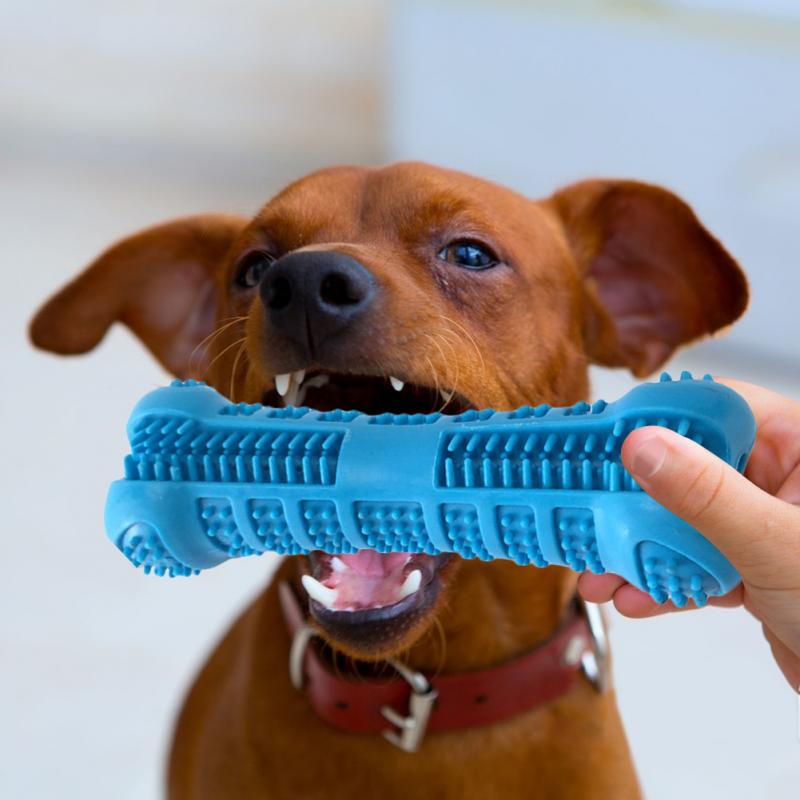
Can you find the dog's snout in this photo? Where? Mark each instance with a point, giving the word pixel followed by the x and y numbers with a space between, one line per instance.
pixel 309 296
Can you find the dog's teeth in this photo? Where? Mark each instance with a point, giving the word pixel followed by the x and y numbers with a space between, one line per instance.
pixel 446 396
pixel 322 594
pixel 410 584
pixel 282 383
pixel 337 565
pixel 318 380
pixel 397 384
pixel 295 389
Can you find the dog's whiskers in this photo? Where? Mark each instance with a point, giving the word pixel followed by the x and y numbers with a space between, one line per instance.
pixel 468 335
pixel 454 384
pixel 435 374
pixel 242 349
pixel 206 343
pixel 222 353
pixel 445 361
pixel 437 623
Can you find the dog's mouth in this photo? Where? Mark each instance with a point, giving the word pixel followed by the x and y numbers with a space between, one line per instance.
pixel 325 390
pixel 367 600
pixel 367 586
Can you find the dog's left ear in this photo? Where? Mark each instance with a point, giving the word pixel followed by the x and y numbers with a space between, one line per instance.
pixel 160 282
pixel 655 278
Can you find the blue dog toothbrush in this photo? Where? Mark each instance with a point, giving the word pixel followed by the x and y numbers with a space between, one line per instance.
pixel 207 480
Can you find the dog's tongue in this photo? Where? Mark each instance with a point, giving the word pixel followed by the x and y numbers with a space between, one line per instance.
pixel 371 564
pixel 366 579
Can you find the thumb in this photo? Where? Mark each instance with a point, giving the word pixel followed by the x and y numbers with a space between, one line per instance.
pixel 759 534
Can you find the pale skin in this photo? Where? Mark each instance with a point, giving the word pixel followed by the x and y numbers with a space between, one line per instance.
pixel 754 519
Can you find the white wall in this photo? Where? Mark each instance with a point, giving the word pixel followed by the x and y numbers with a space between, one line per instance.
pixel 705 104
pixel 224 90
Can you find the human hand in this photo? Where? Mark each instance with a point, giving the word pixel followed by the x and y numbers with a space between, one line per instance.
pixel 753 519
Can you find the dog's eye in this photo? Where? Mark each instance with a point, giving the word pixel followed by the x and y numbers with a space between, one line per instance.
pixel 252 268
pixel 469 255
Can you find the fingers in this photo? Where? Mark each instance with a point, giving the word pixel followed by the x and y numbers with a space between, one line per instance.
pixel 759 534
pixel 598 588
pixel 774 464
pixel 631 602
pixel 764 403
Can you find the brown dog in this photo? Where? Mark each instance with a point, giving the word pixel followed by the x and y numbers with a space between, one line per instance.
pixel 471 296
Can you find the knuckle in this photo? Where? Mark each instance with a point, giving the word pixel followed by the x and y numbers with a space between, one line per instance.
pixel 771 527
pixel 780 526
pixel 702 492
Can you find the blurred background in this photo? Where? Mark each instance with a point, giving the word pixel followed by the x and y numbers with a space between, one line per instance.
pixel 116 116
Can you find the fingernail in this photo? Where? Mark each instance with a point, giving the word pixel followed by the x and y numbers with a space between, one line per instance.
pixel 648 458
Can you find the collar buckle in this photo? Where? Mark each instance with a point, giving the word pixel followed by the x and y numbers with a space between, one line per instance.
pixel 297 654
pixel 411 728
pixel 595 661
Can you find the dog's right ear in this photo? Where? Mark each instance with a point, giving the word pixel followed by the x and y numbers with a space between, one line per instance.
pixel 161 283
pixel 654 277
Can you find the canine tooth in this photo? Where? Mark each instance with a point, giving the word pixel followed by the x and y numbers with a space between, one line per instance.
pixel 299 376
pixel 410 584
pixel 337 565
pixel 314 382
pixel 397 384
pixel 446 396
pixel 322 594
pixel 295 390
pixel 282 383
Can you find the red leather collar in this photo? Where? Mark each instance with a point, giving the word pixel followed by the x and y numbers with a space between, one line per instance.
pixel 462 700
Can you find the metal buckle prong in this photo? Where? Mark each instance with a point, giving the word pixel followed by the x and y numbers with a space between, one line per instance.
pixel 297 654
pixel 420 703
pixel 412 727
pixel 595 662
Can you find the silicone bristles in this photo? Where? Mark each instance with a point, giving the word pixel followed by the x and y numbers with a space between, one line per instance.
pixel 207 480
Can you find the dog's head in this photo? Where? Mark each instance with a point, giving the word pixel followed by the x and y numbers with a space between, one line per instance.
pixel 407 288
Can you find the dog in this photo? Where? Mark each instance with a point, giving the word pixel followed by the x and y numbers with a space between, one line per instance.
pixel 407 288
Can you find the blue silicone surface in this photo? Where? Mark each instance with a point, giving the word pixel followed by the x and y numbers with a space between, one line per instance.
pixel 207 480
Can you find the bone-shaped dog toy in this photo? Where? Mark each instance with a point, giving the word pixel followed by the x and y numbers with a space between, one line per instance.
pixel 207 480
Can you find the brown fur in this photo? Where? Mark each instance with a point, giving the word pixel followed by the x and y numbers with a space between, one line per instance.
pixel 615 272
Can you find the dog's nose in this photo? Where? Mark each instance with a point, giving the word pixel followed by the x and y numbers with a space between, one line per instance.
pixel 309 296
